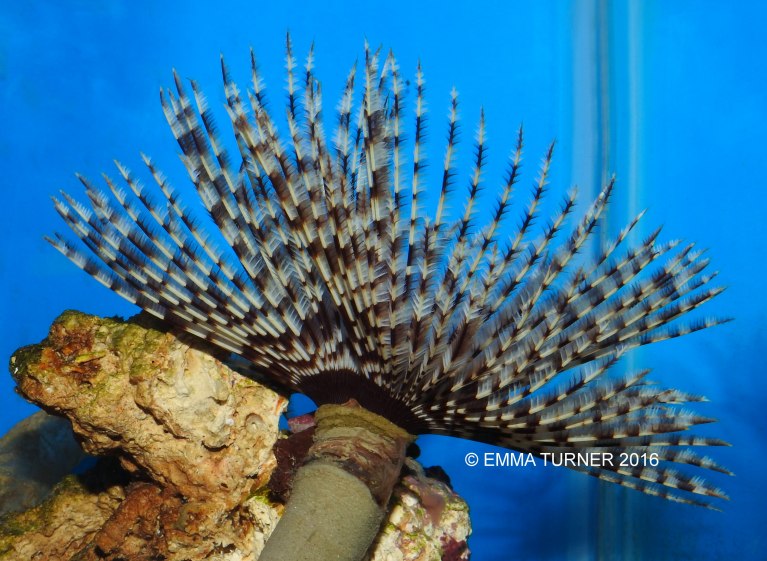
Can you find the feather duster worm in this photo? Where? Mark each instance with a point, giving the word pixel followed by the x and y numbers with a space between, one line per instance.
pixel 332 282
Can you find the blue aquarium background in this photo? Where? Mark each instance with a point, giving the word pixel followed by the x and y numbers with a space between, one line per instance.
pixel 670 96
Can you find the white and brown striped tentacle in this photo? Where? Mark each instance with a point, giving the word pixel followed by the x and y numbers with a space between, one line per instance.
pixel 398 298
pixel 136 279
pixel 376 153
pixel 440 303
pixel 492 323
pixel 564 308
pixel 273 241
pixel 443 300
pixel 468 325
pixel 421 243
pixel 216 187
pixel 572 342
pixel 654 424
pixel 419 162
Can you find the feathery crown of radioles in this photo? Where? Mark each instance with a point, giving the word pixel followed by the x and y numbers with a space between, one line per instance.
pixel 335 285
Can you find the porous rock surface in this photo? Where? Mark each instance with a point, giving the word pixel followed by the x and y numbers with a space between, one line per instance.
pixel 187 455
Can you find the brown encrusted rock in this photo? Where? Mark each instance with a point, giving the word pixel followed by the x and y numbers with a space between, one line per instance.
pixel 192 442
pixel 196 433
pixel 65 524
pixel 170 411
pixel 427 521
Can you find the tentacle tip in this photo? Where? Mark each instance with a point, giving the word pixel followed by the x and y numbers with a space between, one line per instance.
pixel 719 494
